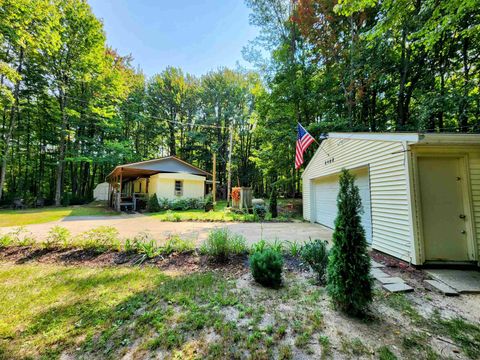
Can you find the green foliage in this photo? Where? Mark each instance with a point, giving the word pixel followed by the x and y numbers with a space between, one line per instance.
pixel 260 211
pixel 153 205
pixel 294 248
pixel 266 267
pixel 100 239
pixel 221 243
pixel 349 280
pixel 315 254
pixel 58 236
pixel 384 353
pixel 272 205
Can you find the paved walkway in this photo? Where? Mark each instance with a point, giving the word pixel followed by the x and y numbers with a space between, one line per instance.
pixel 130 225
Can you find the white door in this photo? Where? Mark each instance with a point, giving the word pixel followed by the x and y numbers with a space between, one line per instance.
pixel 325 192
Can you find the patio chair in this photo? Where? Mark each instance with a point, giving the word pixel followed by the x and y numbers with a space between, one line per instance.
pixel 18 204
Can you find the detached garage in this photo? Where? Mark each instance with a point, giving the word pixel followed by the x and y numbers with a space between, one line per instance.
pixel 420 192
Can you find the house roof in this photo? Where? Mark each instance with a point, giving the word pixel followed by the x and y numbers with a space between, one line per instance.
pixel 411 137
pixel 169 164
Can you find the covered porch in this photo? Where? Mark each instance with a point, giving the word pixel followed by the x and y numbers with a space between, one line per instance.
pixel 122 192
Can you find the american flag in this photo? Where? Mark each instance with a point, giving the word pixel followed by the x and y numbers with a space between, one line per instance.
pixel 304 139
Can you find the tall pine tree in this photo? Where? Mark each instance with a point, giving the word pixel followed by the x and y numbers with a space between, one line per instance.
pixel 349 280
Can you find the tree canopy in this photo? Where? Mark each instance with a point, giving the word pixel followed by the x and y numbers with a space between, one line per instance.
pixel 72 107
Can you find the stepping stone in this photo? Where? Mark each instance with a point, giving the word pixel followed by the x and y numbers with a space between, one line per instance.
pixel 398 288
pixel 462 281
pixel 390 280
pixel 376 265
pixel 438 286
pixel 376 273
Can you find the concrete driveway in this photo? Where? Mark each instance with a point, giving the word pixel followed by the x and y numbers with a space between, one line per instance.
pixel 130 225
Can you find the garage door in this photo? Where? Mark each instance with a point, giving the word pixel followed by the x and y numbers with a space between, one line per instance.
pixel 325 192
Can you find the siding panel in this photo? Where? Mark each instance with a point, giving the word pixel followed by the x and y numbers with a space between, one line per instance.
pixel 391 228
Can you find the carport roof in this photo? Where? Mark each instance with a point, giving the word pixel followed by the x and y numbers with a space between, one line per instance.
pixel 169 164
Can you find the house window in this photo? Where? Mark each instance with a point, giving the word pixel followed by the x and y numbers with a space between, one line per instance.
pixel 178 188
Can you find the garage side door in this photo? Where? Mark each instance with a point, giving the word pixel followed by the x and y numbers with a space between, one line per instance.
pixel 325 193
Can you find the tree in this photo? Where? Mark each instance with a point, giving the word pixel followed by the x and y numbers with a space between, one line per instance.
pixel 349 280
pixel 273 202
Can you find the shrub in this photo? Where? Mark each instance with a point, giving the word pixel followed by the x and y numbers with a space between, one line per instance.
pixel 349 280
pixel 6 240
pixel 176 244
pixel 260 211
pixel 208 202
pixel 153 205
pixel 171 216
pixel 19 237
pixel 220 244
pixel 99 239
pixel 294 248
pixel 57 236
pixel 315 254
pixel 273 203
pixel 266 267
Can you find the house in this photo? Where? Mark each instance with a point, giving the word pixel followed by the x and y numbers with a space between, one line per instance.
pixel 420 192
pixel 168 177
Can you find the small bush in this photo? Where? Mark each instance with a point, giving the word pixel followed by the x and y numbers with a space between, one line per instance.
pixel 260 211
pixel 294 248
pixel 58 236
pixel 20 237
pixel 100 239
pixel 176 244
pixel 221 243
pixel 315 254
pixel 266 267
pixel 6 240
pixel 153 205
pixel 172 216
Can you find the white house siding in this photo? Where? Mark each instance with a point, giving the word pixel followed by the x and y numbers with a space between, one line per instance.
pixel 391 227
pixel 164 185
pixel 475 183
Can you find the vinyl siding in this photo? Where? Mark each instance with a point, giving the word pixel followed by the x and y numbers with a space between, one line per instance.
pixel 164 185
pixel 475 183
pixel 391 225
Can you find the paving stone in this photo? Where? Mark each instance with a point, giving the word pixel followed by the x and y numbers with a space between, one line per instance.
pixel 398 288
pixel 390 280
pixel 376 265
pixel 376 273
pixel 438 286
pixel 463 281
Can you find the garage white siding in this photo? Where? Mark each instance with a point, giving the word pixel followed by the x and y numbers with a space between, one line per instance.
pixel 325 195
pixel 390 214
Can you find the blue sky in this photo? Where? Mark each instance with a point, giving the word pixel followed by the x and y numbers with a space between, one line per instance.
pixel 196 35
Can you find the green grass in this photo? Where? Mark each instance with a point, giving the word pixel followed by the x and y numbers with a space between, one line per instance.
pixel 48 214
pixel 220 213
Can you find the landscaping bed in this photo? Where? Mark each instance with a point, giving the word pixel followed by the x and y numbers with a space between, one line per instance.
pixel 79 303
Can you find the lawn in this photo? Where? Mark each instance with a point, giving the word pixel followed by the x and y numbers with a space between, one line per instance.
pixel 49 310
pixel 220 213
pixel 47 214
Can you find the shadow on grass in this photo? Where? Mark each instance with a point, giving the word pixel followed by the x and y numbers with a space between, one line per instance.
pixel 96 313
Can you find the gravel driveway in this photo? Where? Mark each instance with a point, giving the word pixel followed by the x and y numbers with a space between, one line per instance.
pixel 130 225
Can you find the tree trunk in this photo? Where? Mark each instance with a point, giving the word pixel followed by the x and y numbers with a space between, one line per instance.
pixel 61 155
pixel 8 137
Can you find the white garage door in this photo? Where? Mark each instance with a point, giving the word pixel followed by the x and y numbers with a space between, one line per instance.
pixel 325 192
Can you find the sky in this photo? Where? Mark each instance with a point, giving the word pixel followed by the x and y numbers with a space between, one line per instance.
pixel 195 35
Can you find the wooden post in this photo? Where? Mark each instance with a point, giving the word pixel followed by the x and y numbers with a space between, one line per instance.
pixel 229 182
pixel 214 181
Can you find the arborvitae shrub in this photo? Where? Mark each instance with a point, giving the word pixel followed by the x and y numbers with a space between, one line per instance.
pixel 266 267
pixel 348 273
pixel 273 203
pixel 315 254
pixel 153 205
